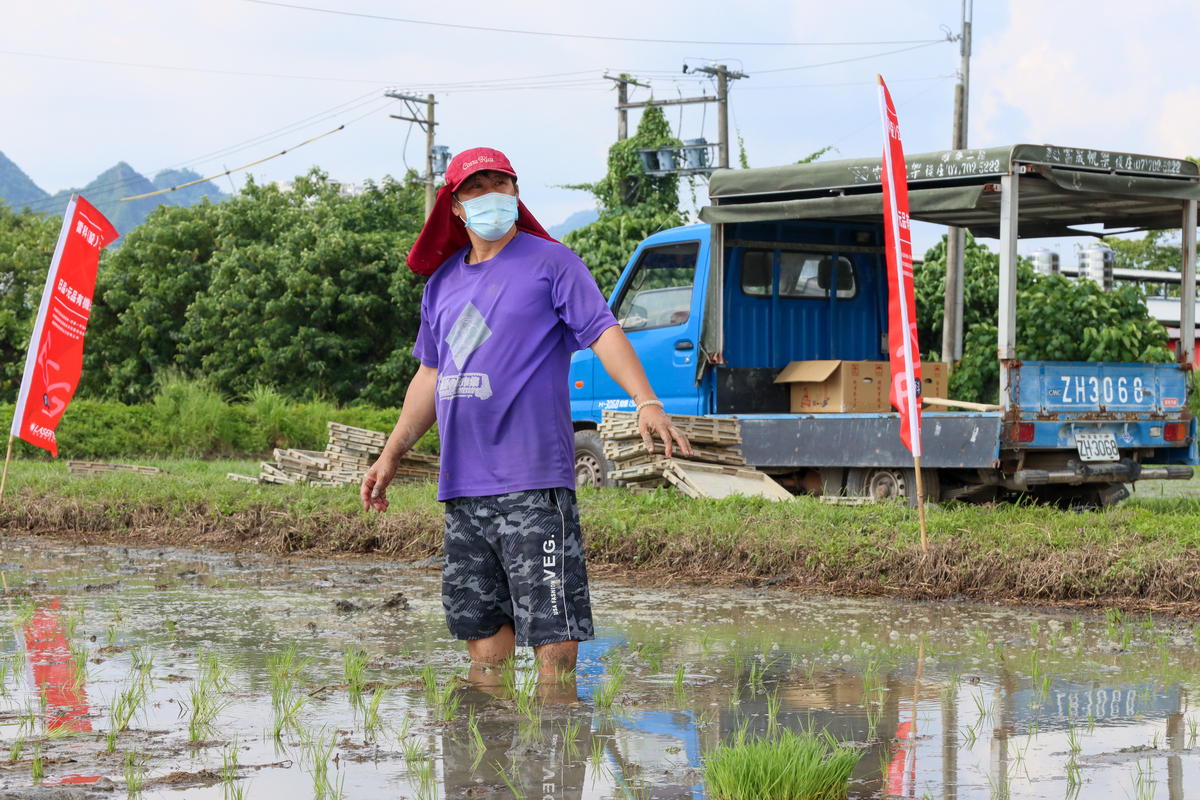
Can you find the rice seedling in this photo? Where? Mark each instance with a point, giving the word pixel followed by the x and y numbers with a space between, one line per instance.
pixel 1073 738
pixel 14 750
pixel 23 614
pixel 1033 632
pixel 319 752
pixel 597 759
pixel 473 730
pixel 372 718
pixel 4 677
pixel 448 699
pixel 354 668
pixel 429 679
pixel 110 740
pixel 514 783
pixel 405 725
pixel 1148 622
pixel 1156 739
pixel 706 645
pixel 413 750
pixel 39 766
pixel 79 664
pixel 1192 724
pixel 570 738
pixel 208 696
pixel 969 736
pixel 1001 788
pixel 135 772
pixel 1091 722
pixel 1126 638
pixel 288 715
pixel 608 689
pixel 1144 783
pixel 678 686
pixel 525 694
pixel 229 762
pixel 773 704
pixel 129 702
pixel 112 631
pixel 792 765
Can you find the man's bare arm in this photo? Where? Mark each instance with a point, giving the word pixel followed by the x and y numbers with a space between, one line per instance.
pixel 623 366
pixel 417 417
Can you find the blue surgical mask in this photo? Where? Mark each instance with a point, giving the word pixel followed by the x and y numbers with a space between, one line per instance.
pixel 491 215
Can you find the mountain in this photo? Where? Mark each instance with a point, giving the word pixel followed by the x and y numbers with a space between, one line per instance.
pixel 576 220
pixel 16 189
pixel 108 189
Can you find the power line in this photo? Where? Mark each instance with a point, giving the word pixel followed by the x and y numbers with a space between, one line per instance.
pixel 487 29
pixel 188 69
pixel 842 61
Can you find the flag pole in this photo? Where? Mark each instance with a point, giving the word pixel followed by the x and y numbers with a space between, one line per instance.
pixel 4 479
pixel 921 504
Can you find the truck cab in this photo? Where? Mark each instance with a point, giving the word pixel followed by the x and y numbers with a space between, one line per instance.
pixel 790 267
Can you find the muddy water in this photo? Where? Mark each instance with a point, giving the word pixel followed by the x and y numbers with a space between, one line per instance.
pixel 944 700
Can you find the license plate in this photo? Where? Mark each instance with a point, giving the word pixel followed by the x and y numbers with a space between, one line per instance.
pixel 1097 447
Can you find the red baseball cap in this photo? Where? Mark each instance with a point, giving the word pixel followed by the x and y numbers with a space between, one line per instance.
pixel 477 159
pixel 444 233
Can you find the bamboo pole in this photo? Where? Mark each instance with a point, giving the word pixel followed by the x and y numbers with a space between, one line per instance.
pixel 4 479
pixel 921 504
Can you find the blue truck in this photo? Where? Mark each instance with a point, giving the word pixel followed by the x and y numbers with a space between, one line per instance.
pixel 788 265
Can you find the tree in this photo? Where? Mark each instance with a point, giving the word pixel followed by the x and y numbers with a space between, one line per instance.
pixel 26 248
pixel 632 204
pixel 303 290
pixel 1057 319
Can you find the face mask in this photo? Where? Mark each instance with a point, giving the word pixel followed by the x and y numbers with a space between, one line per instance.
pixel 491 215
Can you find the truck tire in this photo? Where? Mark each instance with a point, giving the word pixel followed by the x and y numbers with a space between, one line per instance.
pixel 882 483
pixel 591 467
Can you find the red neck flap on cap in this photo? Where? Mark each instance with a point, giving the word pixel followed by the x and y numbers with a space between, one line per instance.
pixel 444 234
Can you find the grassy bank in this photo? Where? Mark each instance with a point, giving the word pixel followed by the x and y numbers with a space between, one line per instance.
pixel 189 418
pixel 1142 552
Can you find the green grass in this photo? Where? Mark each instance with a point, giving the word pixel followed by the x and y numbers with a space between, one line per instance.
pixel 791 766
pixel 1140 549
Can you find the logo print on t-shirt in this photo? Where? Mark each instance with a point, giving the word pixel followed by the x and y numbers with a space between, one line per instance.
pixel 470 330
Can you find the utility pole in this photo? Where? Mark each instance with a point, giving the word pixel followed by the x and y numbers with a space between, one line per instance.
pixel 723 77
pixel 428 125
pixel 956 241
pixel 623 82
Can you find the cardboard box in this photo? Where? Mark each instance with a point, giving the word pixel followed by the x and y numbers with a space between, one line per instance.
pixel 833 387
pixel 934 383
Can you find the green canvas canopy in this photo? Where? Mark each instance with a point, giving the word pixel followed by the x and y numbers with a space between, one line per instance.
pixel 1021 190
pixel 1061 188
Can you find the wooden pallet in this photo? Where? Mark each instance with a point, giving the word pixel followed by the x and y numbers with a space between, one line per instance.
pixel 100 468
pixel 657 468
pixel 721 431
pixel 624 451
pixel 708 480
pixel 233 476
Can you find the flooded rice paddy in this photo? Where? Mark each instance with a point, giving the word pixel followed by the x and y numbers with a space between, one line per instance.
pixel 179 674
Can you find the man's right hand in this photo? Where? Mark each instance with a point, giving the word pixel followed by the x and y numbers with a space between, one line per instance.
pixel 374 486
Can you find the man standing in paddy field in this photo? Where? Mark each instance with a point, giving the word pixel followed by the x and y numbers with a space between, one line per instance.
pixel 504 308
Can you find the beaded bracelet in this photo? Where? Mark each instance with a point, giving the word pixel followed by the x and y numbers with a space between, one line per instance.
pixel 645 403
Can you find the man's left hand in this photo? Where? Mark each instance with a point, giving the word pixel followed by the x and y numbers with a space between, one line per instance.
pixel 652 421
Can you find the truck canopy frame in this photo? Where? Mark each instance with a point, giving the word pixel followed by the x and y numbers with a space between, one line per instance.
pixel 1021 190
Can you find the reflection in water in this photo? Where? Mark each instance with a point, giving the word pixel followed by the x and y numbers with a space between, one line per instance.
pixel 944 700
pixel 52 673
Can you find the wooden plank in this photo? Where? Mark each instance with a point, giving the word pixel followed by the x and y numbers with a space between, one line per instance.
pixel 707 483
pixel 233 476
pixel 620 425
pixel 624 451
pixel 941 401
pixel 100 468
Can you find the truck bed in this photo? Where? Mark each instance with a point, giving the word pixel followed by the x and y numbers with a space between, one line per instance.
pixel 949 440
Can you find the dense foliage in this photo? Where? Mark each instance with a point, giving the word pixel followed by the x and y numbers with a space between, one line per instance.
pixel 303 290
pixel 190 418
pixel 26 248
pixel 632 204
pixel 1058 319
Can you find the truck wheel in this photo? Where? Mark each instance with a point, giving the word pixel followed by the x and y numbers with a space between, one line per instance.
pixel 591 467
pixel 882 483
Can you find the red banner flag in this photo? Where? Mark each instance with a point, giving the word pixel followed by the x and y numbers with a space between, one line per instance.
pixel 55 359
pixel 904 353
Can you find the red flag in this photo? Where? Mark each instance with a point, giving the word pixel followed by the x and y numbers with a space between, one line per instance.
pixel 905 354
pixel 55 358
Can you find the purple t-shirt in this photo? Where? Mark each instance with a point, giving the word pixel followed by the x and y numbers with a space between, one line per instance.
pixel 500 334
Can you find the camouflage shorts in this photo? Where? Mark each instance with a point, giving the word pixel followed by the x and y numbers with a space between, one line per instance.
pixel 516 559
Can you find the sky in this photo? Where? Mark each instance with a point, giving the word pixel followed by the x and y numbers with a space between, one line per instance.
pixel 215 84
